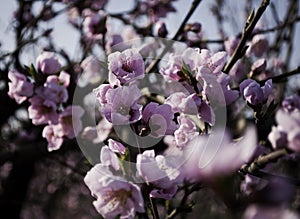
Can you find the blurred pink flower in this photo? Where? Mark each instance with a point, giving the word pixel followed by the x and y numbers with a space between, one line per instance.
pixel 48 63
pixel 55 88
pixel 98 133
pixel 115 196
pixel 93 71
pixel 230 44
pixel 19 87
pixel 42 111
pixel 212 156
pixel 69 122
pixel 116 146
pixel 159 119
pixel 94 24
pixel 186 131
pixel 238 71
pixel 120 105
pixel 125 67
pixel 290 124
pixel 278 137
pixel 109 159
pixel 259 45
pixel 291 103
pixel 160 171
pixel 192 105
pixel 53 136
pixel 256 211
pixel 253 93
pixel 258 66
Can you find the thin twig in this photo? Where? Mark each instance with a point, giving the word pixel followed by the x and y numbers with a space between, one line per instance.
pixel 262 161
pixel 249 26
pixel 274 13
pixel 154 63
pixel 154 209
pixel 290 35
pixel 280 78
pixel 262 31
pixel 270 176
pixel 277 27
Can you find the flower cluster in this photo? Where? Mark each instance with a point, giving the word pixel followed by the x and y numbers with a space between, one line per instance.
pixel 191 155
pixel 166 124
pixel 115 195
pixel 287 131
pixel 48 94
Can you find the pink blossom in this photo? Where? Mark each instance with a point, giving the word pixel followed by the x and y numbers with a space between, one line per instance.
pixel 125 67
pixel 172 71
pixel 253 93
pixel 229 95
pixel 115 43
pixel 98 133
pixel 69 122
pixel 214 62
pixel 48 63
pixel 278 137
pixel 109 158
pixel 259 45
pixel 55 88
pixel 290 124
pixel 94 24
pixel 161 172
pixel 230 44
pixel 291 103
pixel 115 196
pixel 19 87
pixel 256 211
pixel 42 111
pixel 93 71
pixel 116 146
pixel 101 91
pixel 216 86
pixel 258 66
pixel 156 9
pixel 186 131
pixel 215 155
pixel 53 136
pixel 238 71
pixel 159 119
pixel 193 35
pixel 191 104
pixel 64 78
pixel 174 100
pixel 120 105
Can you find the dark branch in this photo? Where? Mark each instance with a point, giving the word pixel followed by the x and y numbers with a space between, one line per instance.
pixel 249 26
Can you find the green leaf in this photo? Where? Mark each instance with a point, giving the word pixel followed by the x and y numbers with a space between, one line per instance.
pixel 31 71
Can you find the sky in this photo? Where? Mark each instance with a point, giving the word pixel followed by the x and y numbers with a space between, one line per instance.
pixel 67 38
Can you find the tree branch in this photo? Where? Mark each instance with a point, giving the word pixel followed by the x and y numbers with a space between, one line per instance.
pixel 180 30
pixel 282 77
pixel 249 26
pixel 262 161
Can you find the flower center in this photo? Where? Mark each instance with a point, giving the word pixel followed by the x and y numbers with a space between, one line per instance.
pixel 126 67
pixel 115 199
pixel 124 110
